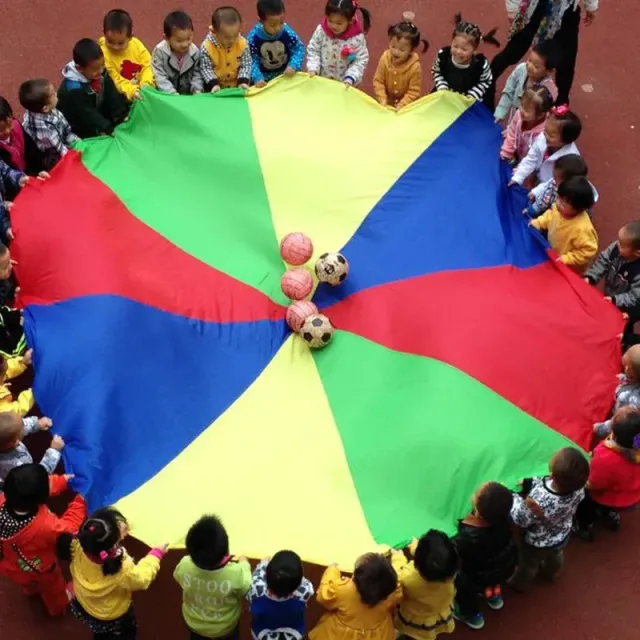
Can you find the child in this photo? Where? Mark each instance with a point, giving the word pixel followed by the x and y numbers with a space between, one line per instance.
pixel 398 78
pixel 527 124
pixel 104 574
pixel 7 295
pixel 44 123
pixel 12 368
pixel 360 606
pixel 28 533
pixel 127 60
pixel 619 266
pixel 460 67
pixel 561 130
pixel 570 230
pixel 426 609
pixel 13 453
pixel 627 391
pixel 278 597
pixel 543 196
pixel 276 48
pixel 209 569
pixel 338 47
pixel 11 181
pixel 536 72
pixel 87 96
pixel 17 148
pixel 225 59
pixel 546 516
pixel 13 343
pixel 488 553
pixel 614 479
pixel 176 60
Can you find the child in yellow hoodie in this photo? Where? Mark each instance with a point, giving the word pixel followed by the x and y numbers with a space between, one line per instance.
pixel 12 368
pixel 568 224
pixel 104 574
pixel 426 609
pixel 127 60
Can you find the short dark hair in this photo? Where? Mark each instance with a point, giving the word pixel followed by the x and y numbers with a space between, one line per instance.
pixel 436 557
pixel 494 502
pixel 176 20
pixel 548 51
pixel 118 20
pixel 571 166
pixel 34 94
pixel 86 51
pixel 284 573
pixel 578 192
pixel 631 229
pixel 207 542
pixel 26 487
pixel 625 428
pixel 375 578
pixel 268 8
pixel 6 111
pixel 570 125
pixel 225 15
pixel 569 468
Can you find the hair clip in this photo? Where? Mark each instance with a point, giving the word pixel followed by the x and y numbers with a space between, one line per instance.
pixel 103 555
pixel 560 110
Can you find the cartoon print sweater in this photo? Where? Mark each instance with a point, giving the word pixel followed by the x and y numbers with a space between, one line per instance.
pixel 130 69
pixel 271 55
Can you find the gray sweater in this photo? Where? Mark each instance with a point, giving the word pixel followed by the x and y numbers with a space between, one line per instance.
pixel 175 77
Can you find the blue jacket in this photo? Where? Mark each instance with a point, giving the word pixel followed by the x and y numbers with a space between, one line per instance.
pixel 271 55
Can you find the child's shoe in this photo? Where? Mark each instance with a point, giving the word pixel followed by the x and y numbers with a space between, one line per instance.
pixel 611 521
pixel 476 621
pixel 495 602
pixel 584 533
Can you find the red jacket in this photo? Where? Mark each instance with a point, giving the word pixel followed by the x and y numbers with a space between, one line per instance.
pixel 614 481
pixel 32 549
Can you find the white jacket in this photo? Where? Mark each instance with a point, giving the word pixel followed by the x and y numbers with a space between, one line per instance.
pixel 324 56
pixel 535 160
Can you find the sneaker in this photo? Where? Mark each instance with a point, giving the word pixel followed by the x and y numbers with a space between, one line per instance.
pixel 611 521
pixel 495 602
pixel 584 533
pixel 475 621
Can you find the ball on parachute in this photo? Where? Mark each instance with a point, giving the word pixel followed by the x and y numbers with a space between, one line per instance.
pixel 296 283
pixel 296 248
pixel 317 331
pixel 298 312
pixel 332 268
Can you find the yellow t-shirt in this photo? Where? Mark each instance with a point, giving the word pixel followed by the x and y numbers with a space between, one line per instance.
pixel 575 239
pixel 109 597
pixel 130 69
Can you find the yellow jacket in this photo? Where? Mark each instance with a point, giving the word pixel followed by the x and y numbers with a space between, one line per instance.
pixel 130 69
pixel 226 65
pixel 575 239
pixel 397 85
pixel 426 609
pixel 348 618
pixel 25 401
pixel 109 597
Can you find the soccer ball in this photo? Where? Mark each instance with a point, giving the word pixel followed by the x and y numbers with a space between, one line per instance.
pixel 332 268
pixel 298 312
pixel 317 331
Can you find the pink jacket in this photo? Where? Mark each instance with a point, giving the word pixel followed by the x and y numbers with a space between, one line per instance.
pixel 517 142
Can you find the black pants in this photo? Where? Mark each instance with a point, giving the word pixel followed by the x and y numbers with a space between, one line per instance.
pixel 589 511
pixel 468 597
pixel 566 40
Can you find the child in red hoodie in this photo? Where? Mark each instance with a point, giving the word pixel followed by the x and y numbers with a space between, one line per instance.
pixel 614 479
pixel 28 533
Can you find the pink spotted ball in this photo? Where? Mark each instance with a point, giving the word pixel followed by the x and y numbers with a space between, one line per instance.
pixel 298 312
pixel 296 284
pixel 296 248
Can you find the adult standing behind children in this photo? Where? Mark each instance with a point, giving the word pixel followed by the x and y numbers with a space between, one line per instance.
pixel 535 21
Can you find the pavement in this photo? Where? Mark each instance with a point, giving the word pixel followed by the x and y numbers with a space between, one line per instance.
pixel 596 594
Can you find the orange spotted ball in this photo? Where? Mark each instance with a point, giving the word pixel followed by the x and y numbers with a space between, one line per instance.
pixel 298 312
pixel 296 248
pixel 296 283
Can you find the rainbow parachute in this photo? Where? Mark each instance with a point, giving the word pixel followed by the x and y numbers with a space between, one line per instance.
pixel 150 273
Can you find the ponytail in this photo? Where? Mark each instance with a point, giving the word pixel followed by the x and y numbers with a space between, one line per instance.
pixel 100 537
pixel 408 30
pixel 63 546
pixel 348 9
pixel 474 32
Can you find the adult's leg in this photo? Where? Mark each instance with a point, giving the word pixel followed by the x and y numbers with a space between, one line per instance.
pixel 567 42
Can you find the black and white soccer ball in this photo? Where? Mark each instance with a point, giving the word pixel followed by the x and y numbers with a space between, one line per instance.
pixel 332 268
pixel 317 331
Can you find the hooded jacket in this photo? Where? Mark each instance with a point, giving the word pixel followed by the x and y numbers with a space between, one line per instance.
pixel 90 113
pixel 175 76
